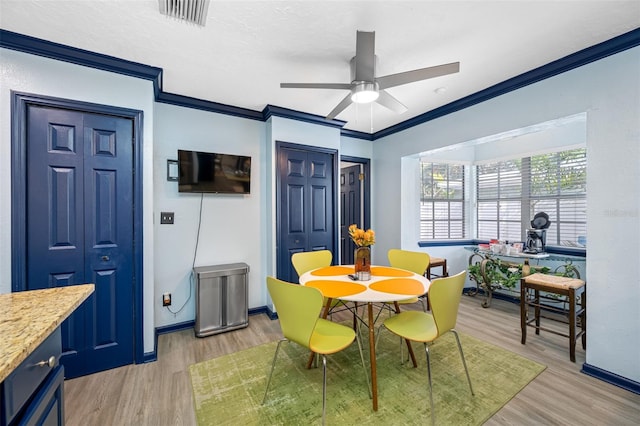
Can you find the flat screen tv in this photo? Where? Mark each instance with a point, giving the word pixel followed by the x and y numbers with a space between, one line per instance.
pixel 214 173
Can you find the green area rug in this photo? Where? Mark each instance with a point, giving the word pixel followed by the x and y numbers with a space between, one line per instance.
pixel 229 390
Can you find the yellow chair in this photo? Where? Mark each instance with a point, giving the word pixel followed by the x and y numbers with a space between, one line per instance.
pixel 417 262
pixel 308 260
pixel 298 309
pixel 444 295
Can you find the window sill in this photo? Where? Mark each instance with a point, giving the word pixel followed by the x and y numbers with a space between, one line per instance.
pixel 571 251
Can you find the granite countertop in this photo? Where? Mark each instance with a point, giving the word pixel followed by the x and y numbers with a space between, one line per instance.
pixel 27 318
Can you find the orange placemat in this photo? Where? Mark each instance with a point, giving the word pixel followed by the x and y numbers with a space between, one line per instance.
pixel 384 271
pixel 406 286
pixel 336 289
pixel 330 271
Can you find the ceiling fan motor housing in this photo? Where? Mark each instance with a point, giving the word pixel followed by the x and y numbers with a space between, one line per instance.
pixel 353 70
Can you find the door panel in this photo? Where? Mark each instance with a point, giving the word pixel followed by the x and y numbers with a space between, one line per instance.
pixel 54 214
pixel 296 209
pixel 318 209
pixel 305 205
pixel 80 228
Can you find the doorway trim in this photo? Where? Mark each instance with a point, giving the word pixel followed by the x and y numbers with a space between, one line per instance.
pixel 366 190
pixel 280 145
pixel 19 104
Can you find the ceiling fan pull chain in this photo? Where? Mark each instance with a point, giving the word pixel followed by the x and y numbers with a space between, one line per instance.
pixel 371 117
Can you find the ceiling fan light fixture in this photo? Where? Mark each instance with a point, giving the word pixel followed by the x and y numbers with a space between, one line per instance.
pixel 364 93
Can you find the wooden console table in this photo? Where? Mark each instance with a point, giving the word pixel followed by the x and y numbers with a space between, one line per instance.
pixel 492 272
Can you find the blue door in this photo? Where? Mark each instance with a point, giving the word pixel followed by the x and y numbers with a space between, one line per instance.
pixel 350 210
pixel 306 200
pixel 79 228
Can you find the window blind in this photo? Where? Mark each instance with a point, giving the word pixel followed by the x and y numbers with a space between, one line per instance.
pixel 442 201
pixel 510 193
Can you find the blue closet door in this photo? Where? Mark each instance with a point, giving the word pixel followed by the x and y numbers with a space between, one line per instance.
pixel 306 204
pixel 80 228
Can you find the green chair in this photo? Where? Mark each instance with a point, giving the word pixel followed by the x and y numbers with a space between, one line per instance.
pixel 414 261
pixel 309 260
pixel 298 309
pixel 444 295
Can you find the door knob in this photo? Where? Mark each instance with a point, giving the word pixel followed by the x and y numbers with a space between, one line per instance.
pixel 105 258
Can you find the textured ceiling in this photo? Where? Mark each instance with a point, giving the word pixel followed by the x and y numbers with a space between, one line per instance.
pixel 247 48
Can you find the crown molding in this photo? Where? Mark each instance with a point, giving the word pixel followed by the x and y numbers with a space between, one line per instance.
pixel 45 48
pixel 61 52
pixel 569 62
pixel 189 102
pixel 276 111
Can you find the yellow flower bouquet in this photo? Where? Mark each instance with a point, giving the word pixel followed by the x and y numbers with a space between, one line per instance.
pixel 361 237
pixel 362 256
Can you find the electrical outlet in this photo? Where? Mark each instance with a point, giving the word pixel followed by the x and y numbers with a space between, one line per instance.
pixel 166 299
pixel 166 218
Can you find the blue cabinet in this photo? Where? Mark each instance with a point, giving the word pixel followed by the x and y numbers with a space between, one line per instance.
pixel 33 394
pixel 47 406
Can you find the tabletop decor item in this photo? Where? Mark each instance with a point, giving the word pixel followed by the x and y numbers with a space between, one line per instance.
pixel 362 256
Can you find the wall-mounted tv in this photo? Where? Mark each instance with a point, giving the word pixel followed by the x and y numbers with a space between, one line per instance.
pixel 212 172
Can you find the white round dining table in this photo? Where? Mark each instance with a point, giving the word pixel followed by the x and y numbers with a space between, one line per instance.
pixel 387 284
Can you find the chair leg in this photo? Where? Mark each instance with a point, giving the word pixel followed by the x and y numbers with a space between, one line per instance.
pixel 524 310
pixel 572 324
pixel 364 367
pixel 433 414
pixel 380 327
pixel 273 364
pixel 536 310
pixel 402 361
pixel 424 306
pixel 466 370
pixel 583 322
pixel 324 386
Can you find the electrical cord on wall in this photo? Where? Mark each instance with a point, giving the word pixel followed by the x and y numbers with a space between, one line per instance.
pixel 193 263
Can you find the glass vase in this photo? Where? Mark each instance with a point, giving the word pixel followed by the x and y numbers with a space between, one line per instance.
pixel 362 262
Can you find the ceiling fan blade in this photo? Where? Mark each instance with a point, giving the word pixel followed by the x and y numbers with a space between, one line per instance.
pixel 401 78
pixel 365 67
pixel 388 101
pixel 340 107
pixel 346 86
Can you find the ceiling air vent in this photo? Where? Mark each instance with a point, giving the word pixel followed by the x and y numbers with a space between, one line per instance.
pixel 194 11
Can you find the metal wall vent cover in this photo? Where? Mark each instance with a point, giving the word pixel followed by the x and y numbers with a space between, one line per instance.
pixel 194 11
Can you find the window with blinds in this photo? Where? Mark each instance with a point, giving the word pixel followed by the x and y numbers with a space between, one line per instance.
pixel 510 193
pixel 442 204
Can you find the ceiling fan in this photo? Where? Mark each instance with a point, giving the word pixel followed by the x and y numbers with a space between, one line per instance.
pixel 365 87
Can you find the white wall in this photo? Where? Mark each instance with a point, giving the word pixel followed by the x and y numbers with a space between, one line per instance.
pixel 232 225
pixel 47 77
pixel 609 92
pixel 353 147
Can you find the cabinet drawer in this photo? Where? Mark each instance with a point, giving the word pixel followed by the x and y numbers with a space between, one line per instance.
pixel 47 407
pixel 23 382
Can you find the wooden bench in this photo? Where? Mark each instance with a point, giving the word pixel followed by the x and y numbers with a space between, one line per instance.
pixel 572 289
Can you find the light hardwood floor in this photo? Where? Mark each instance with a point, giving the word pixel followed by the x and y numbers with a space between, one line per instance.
pixel 159 393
